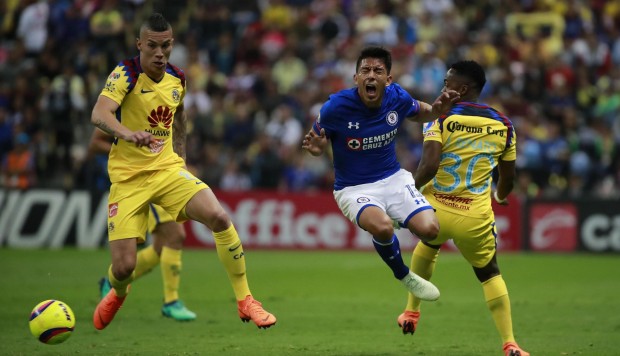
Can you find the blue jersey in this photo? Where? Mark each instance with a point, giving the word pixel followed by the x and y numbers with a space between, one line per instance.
pixel 362 138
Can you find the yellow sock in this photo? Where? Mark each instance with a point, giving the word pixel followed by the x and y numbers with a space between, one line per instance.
pixel 171 273
pixel 423 262
pixel 496 296
pixel 147 259
pixel 230 252
pixel 120 287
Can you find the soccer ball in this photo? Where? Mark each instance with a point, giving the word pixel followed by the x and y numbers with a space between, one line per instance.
pixel 52 322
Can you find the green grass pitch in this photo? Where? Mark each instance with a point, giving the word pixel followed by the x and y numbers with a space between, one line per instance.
pixel 327 303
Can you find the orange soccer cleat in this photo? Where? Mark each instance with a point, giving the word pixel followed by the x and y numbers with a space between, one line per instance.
pixel 512 349
pixel 106 309
pixel 408 321
pixel 250 308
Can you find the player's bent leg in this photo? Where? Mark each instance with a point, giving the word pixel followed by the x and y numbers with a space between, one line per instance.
pixel 374 220
pixel 120 276
pixel 205 208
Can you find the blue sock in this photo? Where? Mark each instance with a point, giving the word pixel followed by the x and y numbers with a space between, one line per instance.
pixel 390 253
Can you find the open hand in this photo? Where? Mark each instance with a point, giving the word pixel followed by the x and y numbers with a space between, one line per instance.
pixel 314 143
pixel 444 102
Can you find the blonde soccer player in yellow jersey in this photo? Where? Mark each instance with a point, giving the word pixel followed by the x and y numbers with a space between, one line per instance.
pixel 165 250
pixel 461 150
pixel 141 105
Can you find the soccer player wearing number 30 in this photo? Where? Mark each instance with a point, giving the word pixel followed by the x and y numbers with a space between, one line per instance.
pixel 460 151
pixel 371 189
pixel 141 105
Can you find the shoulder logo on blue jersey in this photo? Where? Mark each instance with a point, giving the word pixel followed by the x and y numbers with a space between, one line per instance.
pixel 392 118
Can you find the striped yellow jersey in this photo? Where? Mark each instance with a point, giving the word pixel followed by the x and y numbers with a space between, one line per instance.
pixel 474 137
pixel 144 105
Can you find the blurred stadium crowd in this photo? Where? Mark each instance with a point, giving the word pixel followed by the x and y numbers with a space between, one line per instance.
pixel 259 70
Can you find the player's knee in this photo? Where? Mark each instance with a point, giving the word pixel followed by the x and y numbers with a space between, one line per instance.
pixel 219 221
pixel 382 232
pixel 123 269
pixel 178 235
pixel 488 271
pixel 428 230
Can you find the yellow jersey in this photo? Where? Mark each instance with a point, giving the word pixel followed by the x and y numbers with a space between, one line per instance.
pixel 474 137
pixel 144 105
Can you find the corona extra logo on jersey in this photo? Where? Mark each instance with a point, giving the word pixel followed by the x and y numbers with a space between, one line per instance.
pixel 457 126
pixel 162 115
pixel 176 96
pixel 392 118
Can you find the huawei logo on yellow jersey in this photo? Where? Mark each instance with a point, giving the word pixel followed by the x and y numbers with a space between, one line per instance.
pixel 162 115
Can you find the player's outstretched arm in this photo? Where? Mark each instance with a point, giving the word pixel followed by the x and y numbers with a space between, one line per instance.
pixel 313 143
pixel 505 182
pixel 440 106
pixel 103 117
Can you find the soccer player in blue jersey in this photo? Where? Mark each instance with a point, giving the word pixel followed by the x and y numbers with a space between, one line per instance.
pixel 461 150
pixel 166 249
pixel 371 189
pixel 141 105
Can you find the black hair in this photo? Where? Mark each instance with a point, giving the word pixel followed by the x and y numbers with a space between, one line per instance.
pixel 156 22
pixel 375 52
pixel 472 71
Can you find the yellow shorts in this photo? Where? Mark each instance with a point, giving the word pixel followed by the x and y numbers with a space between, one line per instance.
pixel 475 238
pixel 157 215
pixel 128 202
